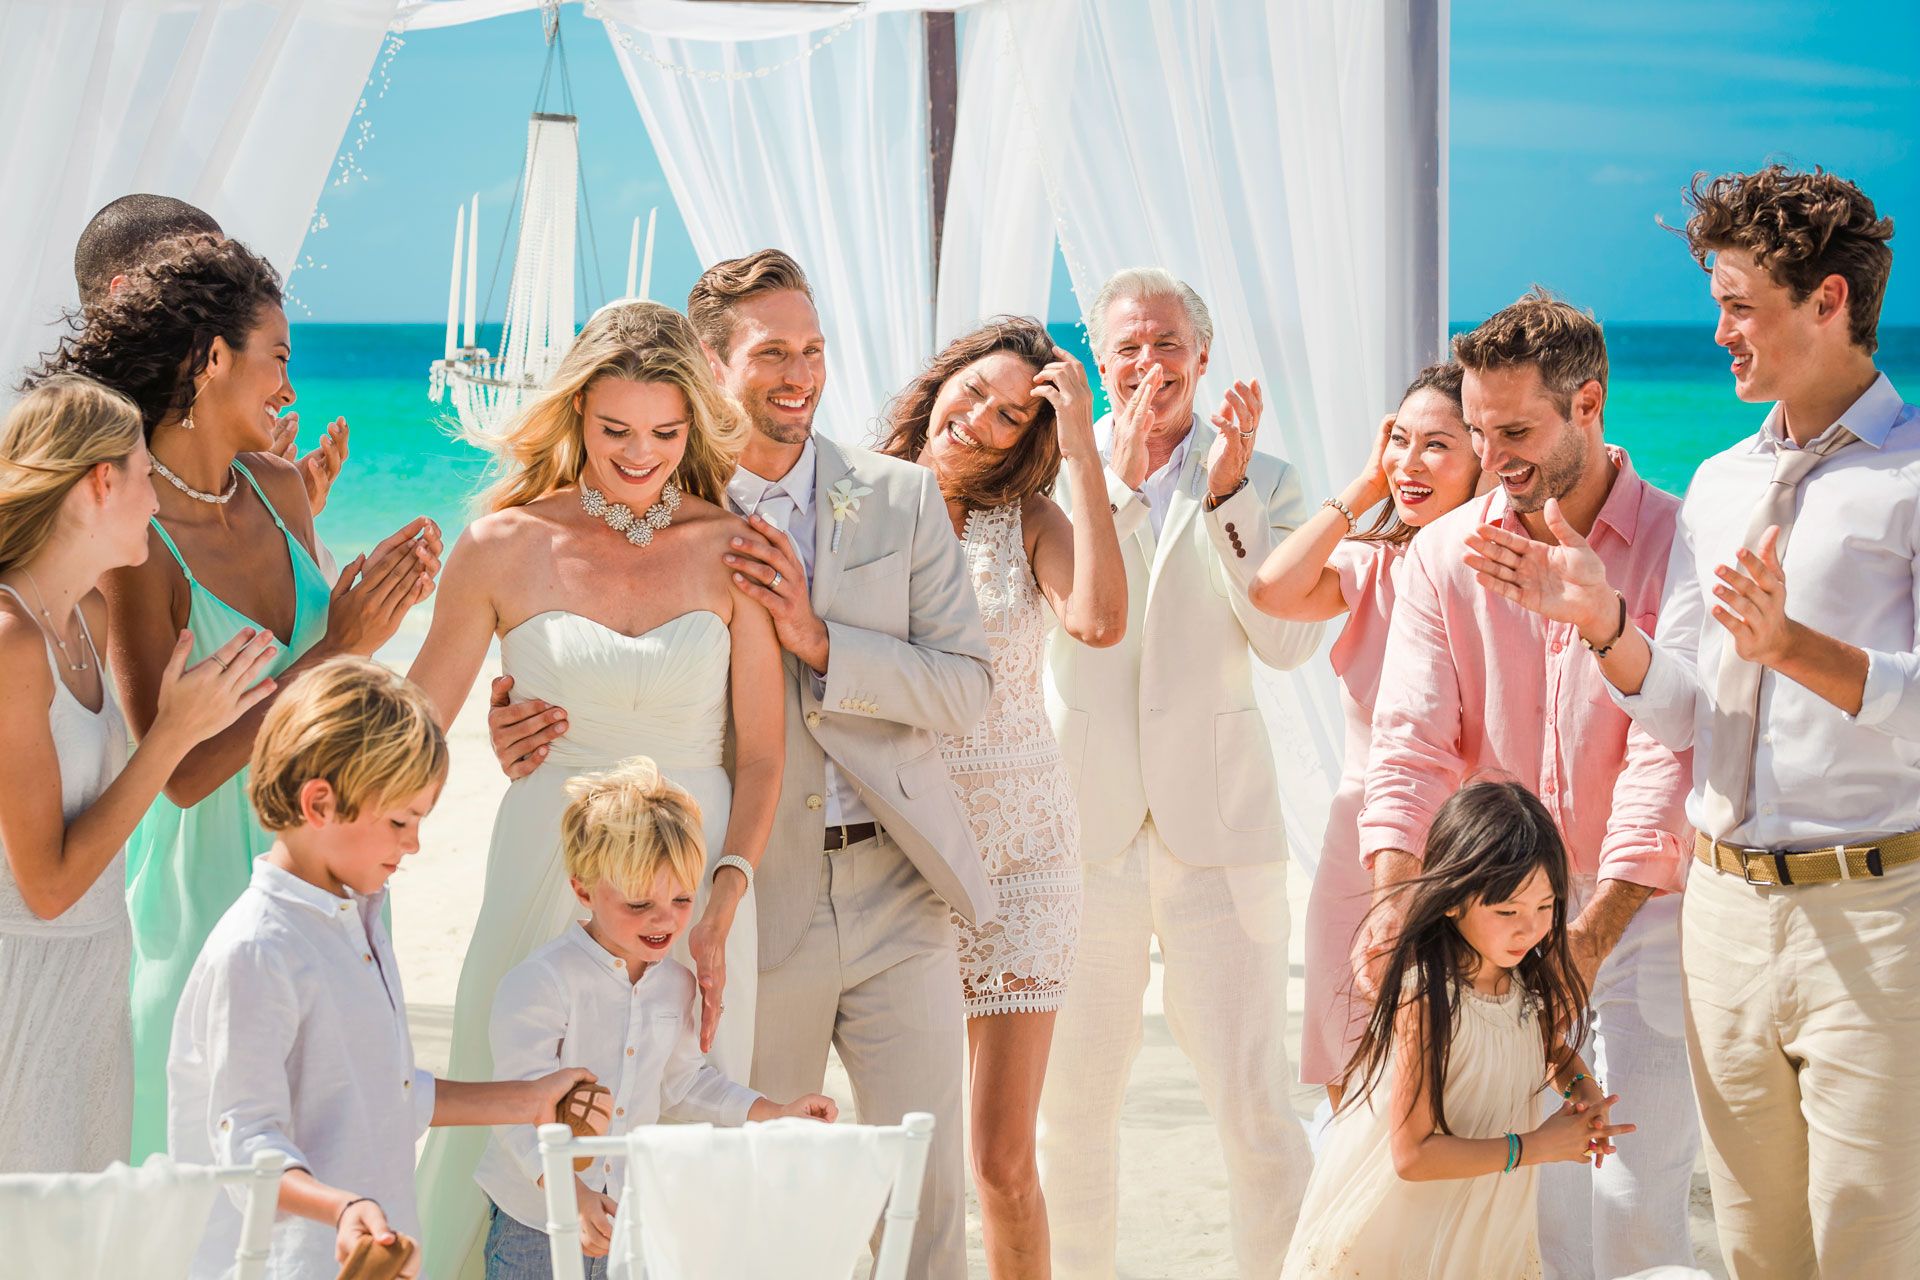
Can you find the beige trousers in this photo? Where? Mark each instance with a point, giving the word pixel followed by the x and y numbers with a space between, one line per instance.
pixel 877 977
pixel 1803 1022
pixel 1223 939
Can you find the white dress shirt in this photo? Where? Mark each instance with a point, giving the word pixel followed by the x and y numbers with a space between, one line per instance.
pixel 292 1036
pixel 1157 489
pixel 787 503
pixel 1820 777
pixel 571 1004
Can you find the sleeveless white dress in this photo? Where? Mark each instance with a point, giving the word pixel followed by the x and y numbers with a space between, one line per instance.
pixel 66 1036
pixel 1360 1221
pixel 1013 784
pixel 663 694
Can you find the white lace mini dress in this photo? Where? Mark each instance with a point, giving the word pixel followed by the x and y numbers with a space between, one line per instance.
pixel 1013 785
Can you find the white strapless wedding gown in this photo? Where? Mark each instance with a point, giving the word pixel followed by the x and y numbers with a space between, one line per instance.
pixel 662 694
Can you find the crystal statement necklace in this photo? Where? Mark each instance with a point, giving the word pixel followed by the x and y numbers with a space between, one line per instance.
pixel 620 518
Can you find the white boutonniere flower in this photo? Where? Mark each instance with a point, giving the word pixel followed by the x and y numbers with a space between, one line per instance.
pixel 845 498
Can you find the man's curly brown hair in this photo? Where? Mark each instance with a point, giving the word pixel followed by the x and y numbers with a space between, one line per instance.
pixel 1801 228
pixel 150 338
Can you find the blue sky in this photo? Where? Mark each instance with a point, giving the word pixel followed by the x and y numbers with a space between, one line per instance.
pixel 1573 127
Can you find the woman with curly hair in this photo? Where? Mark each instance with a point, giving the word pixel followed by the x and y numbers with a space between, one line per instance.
pixel 996 415
pixel 198 341
pixel 597 565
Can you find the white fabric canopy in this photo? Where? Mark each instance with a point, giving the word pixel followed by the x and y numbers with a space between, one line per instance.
pixel 1283 163
pixel 682 19
pixel 235 105
pixel 827 160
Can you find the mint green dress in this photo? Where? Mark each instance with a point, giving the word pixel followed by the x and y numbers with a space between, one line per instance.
pixel 185 867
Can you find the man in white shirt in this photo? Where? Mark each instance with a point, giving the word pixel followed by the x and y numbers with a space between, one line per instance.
pixel 854 558
pixel 1785 657
pixel 1181 834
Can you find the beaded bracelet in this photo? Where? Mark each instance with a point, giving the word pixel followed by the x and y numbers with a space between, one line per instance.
pixel 1567 1093
pixel 1513 1152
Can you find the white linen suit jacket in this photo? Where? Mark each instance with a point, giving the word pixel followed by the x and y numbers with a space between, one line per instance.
pixel 1166 721
pixel 907 662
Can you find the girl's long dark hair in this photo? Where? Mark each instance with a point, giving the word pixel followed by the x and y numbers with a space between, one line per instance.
pixel 1485 842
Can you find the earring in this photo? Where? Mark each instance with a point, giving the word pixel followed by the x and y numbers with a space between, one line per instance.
pixel 186 423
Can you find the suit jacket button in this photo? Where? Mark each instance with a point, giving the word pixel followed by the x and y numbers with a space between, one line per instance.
pixel 815 802
pixel 1113 508
pixel 1241 552
pixel 1229 526
pixel 813 719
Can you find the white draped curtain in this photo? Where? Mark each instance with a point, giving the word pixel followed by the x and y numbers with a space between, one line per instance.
pixel 826 158
pixel 235 105
pixel 1282 159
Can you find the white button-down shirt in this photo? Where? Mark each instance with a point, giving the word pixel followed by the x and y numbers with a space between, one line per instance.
pixel 1820 777
pixel 1158 488
pixel 291 1036
pixel 571 1004
pixel 747 493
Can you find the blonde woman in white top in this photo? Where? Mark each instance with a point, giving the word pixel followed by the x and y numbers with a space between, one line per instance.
pixel 74 502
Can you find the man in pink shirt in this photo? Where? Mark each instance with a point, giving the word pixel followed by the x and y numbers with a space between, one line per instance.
pixel 1474 684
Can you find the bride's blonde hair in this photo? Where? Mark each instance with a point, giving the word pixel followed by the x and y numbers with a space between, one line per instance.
pixel 542 449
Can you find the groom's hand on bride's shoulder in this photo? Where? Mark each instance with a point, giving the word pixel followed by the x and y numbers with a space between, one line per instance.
pixel 521 731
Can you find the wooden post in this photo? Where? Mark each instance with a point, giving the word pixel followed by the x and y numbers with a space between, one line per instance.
pixel 943 110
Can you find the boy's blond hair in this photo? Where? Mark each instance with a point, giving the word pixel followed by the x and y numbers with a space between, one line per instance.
pixel 370 734
pixel 626 825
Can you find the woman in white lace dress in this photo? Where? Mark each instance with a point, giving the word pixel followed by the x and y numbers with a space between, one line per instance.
pixel 74 501
pixel 997 415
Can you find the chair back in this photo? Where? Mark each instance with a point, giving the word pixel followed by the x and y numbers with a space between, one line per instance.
pixel 794 1198
pixel 125 1221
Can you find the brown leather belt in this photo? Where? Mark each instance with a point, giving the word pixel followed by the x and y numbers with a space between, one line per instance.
pixel 1809 866
pixel 840 837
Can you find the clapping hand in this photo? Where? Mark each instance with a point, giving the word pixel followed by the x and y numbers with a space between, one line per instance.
pixel 1566 583
pixel 1236 421
pixel 1579 1131
pixel 199 701
pixel 1133 424
pixel 374 591
pixel 319 469
pixel 1753 602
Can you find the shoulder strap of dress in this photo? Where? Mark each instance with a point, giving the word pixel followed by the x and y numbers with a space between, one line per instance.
pixel 167 538
pixel 260 493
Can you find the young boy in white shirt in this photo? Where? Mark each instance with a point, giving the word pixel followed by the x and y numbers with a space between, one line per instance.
pixel 604 994
pixel 292 1032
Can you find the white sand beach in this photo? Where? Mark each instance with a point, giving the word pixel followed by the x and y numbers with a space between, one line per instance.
pixel 1173 1197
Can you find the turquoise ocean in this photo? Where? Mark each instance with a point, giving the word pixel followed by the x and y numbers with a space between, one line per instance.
pixel 1670 404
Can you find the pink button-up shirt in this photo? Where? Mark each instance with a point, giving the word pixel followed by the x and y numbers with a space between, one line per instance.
pixel 1475 684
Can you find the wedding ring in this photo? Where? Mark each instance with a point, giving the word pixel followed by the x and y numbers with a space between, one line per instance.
pixel 223 665
pixel 775 584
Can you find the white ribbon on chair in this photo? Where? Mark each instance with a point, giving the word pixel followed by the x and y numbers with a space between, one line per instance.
pixel 106 1226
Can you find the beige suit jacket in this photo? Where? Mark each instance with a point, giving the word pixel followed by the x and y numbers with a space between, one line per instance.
pixel 1166 722
pixel 907 662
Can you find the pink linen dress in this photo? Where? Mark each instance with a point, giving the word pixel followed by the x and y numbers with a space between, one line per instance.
pixel 1342 887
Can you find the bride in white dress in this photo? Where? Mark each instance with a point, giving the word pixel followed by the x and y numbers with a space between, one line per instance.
pixel 598 565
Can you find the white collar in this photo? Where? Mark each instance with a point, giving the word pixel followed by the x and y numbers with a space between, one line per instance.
pixel 278 882
pixel 748 490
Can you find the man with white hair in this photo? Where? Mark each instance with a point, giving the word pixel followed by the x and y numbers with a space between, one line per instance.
pixel 1181 835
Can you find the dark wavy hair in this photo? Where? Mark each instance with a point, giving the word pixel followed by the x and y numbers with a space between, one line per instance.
pixel 151 337
pixel 1442 379
pixel 1484 844
pixel 1801 228
pixel 1001 476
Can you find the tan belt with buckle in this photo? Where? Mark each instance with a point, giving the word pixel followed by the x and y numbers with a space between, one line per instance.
pixel 1809 866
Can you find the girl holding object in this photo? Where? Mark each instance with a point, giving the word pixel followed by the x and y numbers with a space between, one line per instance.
pixel 1428 1170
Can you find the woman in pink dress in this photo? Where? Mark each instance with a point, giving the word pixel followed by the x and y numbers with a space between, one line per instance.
pixel 1424 462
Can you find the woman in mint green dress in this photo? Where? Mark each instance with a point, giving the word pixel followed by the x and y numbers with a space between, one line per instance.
pixel 198 339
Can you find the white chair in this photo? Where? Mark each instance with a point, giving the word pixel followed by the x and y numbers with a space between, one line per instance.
pixel 793 1198
pixel 125 1221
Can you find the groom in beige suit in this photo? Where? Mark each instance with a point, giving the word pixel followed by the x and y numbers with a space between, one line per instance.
pixel 854 557
pixel 1181 835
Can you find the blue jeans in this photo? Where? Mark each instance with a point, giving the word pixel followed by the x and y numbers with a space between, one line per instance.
pixel 516 1251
